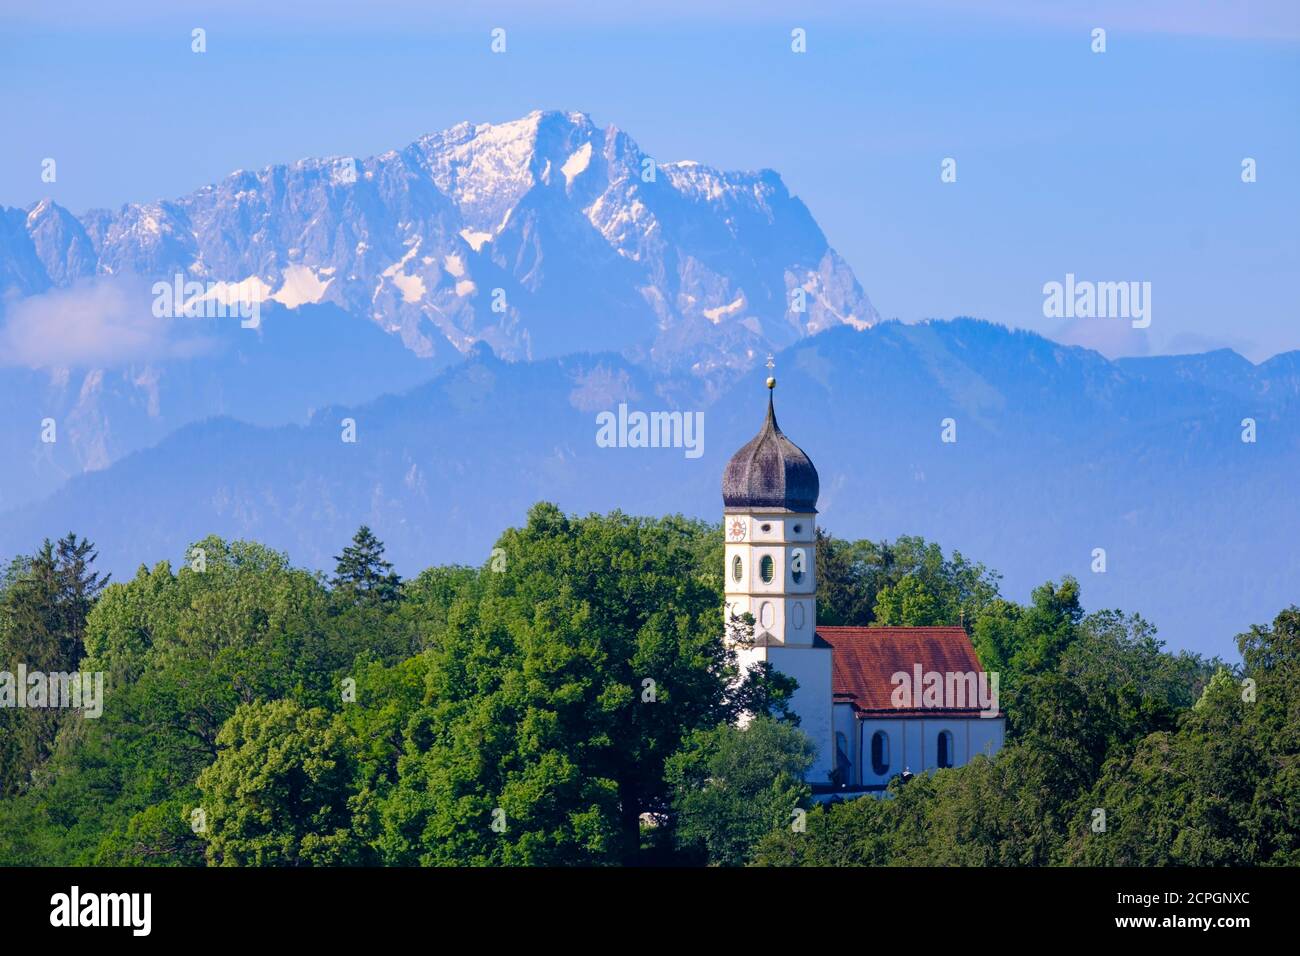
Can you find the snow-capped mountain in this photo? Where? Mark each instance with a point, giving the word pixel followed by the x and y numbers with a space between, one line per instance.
pixel 541 236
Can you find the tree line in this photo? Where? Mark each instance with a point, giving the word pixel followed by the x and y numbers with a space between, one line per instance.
pixel 572 702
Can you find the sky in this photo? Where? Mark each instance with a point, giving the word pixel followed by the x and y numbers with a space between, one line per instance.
pixel 1122 166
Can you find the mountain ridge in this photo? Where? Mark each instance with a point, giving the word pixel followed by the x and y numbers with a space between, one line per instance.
pixel 1059 451
pixel 569 220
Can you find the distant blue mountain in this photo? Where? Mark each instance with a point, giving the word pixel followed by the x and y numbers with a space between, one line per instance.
pixel 295 362
pixel 473 301
pixel 540 237
pixel 1058 452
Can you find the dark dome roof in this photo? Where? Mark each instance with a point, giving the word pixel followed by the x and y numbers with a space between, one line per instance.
pixel 771 472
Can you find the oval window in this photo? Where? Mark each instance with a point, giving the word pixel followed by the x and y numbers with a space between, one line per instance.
pixel 880 753
pixel 767 568
pixel 798 528
pixel 767 527
pixel 766 615
pixel 796 617
pixel 737 568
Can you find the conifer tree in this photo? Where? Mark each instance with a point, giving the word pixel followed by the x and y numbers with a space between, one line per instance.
pixel 44 602
pixel 362 574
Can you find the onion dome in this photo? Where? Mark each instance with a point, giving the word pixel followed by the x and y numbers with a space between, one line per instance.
pixel 771 473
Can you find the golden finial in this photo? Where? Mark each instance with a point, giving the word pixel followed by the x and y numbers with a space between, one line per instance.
pixel 771 382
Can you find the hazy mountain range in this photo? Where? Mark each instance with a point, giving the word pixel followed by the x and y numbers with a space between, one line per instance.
pixel 1058 452
pixel 660 294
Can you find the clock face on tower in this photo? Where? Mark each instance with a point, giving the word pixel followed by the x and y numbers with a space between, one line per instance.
pixel 736 530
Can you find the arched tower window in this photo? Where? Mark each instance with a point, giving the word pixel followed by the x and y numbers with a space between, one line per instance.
pixel 880 753
pixel 737 568
pixel 945 748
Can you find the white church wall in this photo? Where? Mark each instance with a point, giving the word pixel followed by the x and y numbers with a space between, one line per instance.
pixel 846 723
pixel 801 528
pixel 895 734
pixel 767 530
pixel 930 730
pixel 985 735
pixel 811 667
pixel 800 625
pixel 747 657
pixel 769 615
pixel 914 742
pixel 913 756
pixel 805 556
pixel 778 529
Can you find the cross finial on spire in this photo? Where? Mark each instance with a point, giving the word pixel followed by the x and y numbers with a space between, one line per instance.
pixel 771 361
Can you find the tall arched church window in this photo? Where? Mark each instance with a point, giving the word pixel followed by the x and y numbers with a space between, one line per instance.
pixel 945 748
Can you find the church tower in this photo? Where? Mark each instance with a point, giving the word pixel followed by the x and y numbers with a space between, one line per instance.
pixel 769 496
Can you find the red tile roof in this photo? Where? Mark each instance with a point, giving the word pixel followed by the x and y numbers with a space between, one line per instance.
pixel 865 658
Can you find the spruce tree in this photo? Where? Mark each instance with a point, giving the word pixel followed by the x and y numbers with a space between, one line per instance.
pixel 44 601
pixel 361 573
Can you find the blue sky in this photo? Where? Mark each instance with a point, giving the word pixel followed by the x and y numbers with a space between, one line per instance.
pixel 1116 166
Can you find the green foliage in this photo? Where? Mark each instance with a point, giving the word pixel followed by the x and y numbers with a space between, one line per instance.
pixel 181 651
pixel 572 702
pixel 27 837
pixel 1223 788
pixel 44 602
pixel 909 604
pixel 277 794
pixel 987 813
pixel 731 786
pixel 557 695
pixel 906 582
pixel 1099 719
pixel 764 691
pixel 46 598
pixel 160 835
pixel 361 575
pixel 1016 641
pixel 428 599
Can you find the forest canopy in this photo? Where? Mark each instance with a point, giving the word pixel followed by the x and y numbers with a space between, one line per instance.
pixel 572 702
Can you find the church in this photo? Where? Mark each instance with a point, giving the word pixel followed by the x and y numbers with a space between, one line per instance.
pixel 876 701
